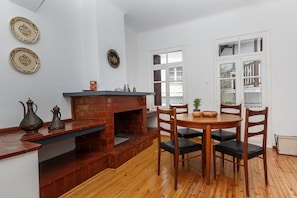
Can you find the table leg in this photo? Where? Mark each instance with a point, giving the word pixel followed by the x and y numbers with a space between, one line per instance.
pixel 207 152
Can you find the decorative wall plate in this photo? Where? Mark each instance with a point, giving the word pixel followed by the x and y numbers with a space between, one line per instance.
pixel 24 30
pixel 24 60
pixel 113 58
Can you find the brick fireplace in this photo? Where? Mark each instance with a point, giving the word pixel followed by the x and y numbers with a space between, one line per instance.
pixel 122 112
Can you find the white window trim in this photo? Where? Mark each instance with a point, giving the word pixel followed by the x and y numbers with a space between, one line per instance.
pixel 150 101
pixel 267 76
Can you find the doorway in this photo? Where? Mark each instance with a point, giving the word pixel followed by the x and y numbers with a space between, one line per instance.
pixel 241 72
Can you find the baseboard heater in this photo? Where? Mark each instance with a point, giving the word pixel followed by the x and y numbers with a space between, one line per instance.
pixel 286 145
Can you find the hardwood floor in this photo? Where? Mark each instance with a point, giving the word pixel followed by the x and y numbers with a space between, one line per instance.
pixel 138 178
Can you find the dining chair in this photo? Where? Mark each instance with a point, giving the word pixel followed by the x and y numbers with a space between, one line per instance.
pixel 255 125
pixel 222 135
pixel 182 131
pixel 169 141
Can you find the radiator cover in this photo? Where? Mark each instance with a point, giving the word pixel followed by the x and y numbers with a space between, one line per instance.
pixel 286 145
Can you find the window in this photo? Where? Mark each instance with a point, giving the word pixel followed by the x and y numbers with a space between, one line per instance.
pixel 241 68
pixel 168 76
pixel 242 72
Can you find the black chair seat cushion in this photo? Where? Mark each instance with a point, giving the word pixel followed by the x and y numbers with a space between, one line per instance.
pixel 235 149
pixel 185 146
pixel 222 135
pixel 188 133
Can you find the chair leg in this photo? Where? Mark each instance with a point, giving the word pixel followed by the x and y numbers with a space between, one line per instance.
pixel 233 164
pixel 265 168
pixel 173 158
pixel 246 177
pixel 183 159
pixel 175 171
pixel 159 159
pixel 214 161
pixel 223 159
pixel 203 154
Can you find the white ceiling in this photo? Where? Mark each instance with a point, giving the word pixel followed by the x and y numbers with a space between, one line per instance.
pixel 142 15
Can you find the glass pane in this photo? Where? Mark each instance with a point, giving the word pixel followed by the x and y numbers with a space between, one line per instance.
pixel 252 84
pixel 251 45
pixel 227 70
pixel 174 57
pixel 228 91
pixel 160 87
pixel 252 68
pixel 228 83
pixel 253 93
pixel 176 92
pixel 228 49
pixel 160 59
pixel 159 75
pixel 163 92
pixel 176 85
pixel 175 73
pixel 160 94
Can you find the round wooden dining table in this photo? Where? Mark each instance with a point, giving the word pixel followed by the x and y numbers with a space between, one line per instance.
pixel 221 121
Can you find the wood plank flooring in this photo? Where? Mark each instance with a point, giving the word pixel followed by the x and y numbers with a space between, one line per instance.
pixel 138 178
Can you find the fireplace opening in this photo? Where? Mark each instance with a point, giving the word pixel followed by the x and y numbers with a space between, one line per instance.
pixel 127 125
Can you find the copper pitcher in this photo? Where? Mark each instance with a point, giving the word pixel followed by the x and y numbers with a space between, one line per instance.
pixel 31 122
pixel 56 122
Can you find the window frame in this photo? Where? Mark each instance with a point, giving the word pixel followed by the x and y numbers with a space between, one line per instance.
pixel 167 67
pixel 239 59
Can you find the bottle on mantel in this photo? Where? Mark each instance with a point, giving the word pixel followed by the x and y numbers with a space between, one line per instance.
pixel 128 88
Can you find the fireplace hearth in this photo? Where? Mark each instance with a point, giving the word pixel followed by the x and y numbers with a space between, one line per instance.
pixel 120 138
pixel 124 115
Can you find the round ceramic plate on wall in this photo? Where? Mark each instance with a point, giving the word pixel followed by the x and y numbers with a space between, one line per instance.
pixel 24 60
pixel 24 30
pixel 113 58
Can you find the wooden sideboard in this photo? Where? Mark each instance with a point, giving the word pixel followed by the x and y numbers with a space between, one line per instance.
pixel 96 118
pixel 15 143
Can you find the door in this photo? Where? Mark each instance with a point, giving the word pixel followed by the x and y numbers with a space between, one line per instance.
pixel 241 72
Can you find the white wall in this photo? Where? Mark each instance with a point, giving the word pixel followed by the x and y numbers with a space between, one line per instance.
pixel 74 39
pixel 19 176
pixel 59 50
pixel 103 29
pixel 198 36
pixel 111 35
pixel 132 58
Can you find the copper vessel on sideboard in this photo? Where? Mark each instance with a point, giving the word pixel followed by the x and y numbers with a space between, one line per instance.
pixel 56 121
pixel 31 122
